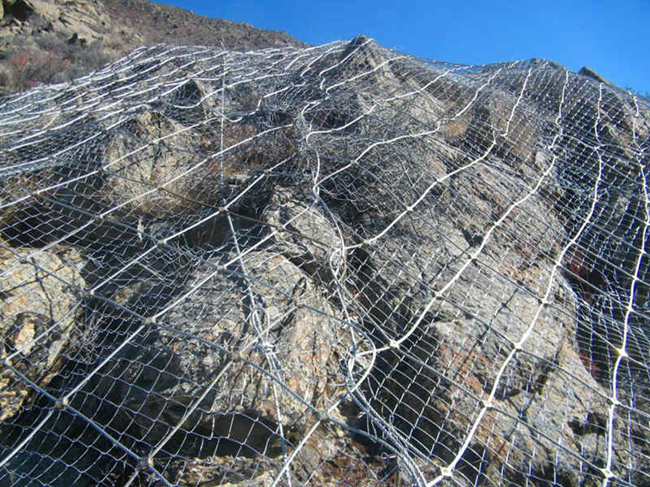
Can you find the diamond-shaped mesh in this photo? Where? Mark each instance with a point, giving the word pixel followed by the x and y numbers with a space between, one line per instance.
pixel 338 265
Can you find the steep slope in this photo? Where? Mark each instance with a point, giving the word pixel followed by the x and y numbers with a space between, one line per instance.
pixel 158 23
pixel 333 265
pixel 44 41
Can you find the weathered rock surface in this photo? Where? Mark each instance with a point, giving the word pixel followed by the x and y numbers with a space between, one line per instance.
pixel 340 265
pixel 40 291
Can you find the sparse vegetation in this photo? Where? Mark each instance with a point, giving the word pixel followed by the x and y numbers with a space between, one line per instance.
pixel 36 48
pixel 55 62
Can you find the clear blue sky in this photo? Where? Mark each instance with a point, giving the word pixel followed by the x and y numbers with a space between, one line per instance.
pixel 612 37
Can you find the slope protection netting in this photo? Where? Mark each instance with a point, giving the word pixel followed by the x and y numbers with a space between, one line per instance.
pixel 338 265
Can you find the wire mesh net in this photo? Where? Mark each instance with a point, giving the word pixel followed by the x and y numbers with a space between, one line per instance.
pixel 338 265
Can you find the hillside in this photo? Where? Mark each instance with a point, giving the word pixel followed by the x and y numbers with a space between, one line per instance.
pixel 46 41
pixel 335 265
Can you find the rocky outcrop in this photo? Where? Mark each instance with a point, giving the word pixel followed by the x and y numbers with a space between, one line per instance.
pixel 39 293
pixel 332 265
pixel 32 21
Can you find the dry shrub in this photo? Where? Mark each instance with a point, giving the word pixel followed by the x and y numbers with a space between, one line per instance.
pixel 56 62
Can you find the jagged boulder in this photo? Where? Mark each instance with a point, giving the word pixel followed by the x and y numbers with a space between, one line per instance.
pixel 40 292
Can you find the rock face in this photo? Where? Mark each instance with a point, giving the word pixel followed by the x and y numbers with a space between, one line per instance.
pixel 39 293
pixel 337 265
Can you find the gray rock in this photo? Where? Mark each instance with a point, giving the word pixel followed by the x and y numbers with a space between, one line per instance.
pixel 341 264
